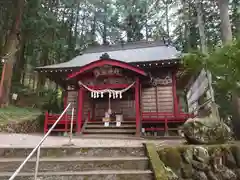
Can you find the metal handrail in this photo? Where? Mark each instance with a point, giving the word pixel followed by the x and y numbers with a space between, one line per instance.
pixel 37 148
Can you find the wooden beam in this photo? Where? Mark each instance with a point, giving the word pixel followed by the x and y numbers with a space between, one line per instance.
pixel 109 86
pixel 106 62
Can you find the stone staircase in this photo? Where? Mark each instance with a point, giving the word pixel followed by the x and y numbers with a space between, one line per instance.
pixel 73 163
pixel 97 127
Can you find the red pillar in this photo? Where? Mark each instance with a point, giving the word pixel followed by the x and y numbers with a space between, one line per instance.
pixel 174 91
pixel 80 110
pixel 137 106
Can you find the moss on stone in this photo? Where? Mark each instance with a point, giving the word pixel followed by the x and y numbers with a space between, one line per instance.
pixel 186 170
pixel 171 157
pixel 157 165
pixel 211 148
pixel 84 150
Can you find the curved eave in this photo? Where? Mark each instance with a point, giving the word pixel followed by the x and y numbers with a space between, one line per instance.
pixel 142 65
pixel 111 62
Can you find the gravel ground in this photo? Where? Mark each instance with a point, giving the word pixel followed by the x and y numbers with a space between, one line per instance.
pixel 26 140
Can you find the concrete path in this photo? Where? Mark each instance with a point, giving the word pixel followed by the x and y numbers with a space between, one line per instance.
pixel 28 140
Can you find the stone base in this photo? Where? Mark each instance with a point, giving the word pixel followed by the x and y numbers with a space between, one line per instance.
pixel 90 175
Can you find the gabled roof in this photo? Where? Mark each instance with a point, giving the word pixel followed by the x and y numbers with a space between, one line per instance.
pixel 136 52
pixel 111 62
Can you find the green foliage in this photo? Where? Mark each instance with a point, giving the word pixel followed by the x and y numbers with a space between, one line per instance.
pixel 224 65
pixel 54 101
pixel 18 88
pixel 194 61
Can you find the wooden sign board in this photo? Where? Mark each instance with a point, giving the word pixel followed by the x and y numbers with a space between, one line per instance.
pixel 107 70
pixel 199 87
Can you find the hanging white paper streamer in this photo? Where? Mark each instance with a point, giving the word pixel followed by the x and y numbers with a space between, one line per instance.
pixel 100 93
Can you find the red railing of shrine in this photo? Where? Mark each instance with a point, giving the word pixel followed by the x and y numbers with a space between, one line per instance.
pixel 64 123
pixel 164 118
pixel 147 117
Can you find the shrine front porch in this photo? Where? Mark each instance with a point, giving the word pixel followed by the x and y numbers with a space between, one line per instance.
pixel 89 113
pixel 160 123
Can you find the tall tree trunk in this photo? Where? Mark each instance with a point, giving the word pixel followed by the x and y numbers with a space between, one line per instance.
pixel 19 65
pixel 23 77
pixel 1 40
pixel 193 30
pixel 3 29
pixel 226 28
pixel 236 17
pixel 71 43
pixel 76 22
pixel 44 62
pixel 93 29
pixel 186 16
pixel 201 27
pixel 10 50
pixel 105 25
pixel 167 18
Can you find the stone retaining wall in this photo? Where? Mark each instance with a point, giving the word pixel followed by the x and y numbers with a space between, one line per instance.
pixel 24 126
pixel 216 162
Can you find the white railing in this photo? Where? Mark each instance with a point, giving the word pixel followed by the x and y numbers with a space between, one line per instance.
pixel 38 147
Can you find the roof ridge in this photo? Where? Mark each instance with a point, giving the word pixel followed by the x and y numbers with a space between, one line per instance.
pixel 124 46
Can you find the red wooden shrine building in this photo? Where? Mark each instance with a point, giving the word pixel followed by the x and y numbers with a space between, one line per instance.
pixel 135 80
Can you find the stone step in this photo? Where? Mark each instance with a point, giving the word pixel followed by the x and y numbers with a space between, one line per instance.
pixel 109 131
pixel 85 175
pixel 65 151
pixel 111 136
pixel 111 122
pixel 111 126
pixel 76 164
